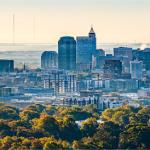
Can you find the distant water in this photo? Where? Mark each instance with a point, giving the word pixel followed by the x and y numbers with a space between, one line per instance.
pixel 30 53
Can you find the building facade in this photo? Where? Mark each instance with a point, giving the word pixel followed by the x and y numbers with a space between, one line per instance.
pixel 112 68
pixel 49 60
pixel 67 53
pixel 60 82
pixel 144 56
pixel 6 66
pixel 86 47
pixel 136 68
pixel 125 54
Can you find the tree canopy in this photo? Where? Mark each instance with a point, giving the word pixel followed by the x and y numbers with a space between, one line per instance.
pixel 49 127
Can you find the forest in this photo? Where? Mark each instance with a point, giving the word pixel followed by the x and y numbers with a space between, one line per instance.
pixel 48 127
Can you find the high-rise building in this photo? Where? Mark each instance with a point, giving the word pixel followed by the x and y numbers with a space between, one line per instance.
pixel 99 52
pixel 6 66
pixel 144 56
pixel 112 68
pixel 86 47
pixel 125 54
pixel 100 60
pixel 67 53
pixel 49 60
pixel 136 68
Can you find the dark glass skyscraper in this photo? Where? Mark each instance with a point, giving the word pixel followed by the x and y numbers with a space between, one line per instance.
pixel 6 66
pixel 112 68
pixel 67 53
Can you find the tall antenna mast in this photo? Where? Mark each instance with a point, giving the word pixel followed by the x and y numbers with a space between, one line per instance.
pixel 13 29
pixel 34 29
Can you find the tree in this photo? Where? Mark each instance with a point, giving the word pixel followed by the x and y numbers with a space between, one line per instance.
pixel 37 107
pixel 86 143
pixel 119 115
pixel 89 127
pixel 48 124
pixel 69 130
pixel 107 136
pixel 51 145
pixel 51 110
pixel 8 112
pixel 23 132
pixel 36 145
pixel 135 137
pixel 28 115
pixel 76 113
pixel 5 129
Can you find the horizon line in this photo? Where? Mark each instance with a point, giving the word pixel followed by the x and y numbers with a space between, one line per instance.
pixel 26 43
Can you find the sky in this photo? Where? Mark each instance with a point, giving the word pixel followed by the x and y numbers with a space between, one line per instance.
pixel 45 21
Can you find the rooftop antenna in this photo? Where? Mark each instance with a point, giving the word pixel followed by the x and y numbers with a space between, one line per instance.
pixel 34 34
pixel 13 29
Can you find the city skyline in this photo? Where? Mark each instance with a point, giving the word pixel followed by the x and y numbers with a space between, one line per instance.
pixel 44 21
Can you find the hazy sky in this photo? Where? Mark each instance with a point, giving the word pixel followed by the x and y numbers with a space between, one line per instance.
pixel 44 21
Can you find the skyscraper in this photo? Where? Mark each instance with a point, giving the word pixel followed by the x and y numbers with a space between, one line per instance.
pixel 6 66
pixel 86 47
pixel 144 56
pixel 125 54
pixel 136 69
pixel 112 68
pixel 49 60
pixel 67 53
pixel 100 60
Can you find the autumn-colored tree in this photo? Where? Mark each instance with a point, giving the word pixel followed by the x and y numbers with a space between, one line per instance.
pixel 48 124
pixel 135 137
pixel 89 127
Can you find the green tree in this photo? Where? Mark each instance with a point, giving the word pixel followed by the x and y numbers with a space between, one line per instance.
pixel 107 136
pixel 28 115
pixel 5 129
pixel 8 112
pixel 69 130
pixel 89 127
pixel 135 137
pixel 48 124
pixel 36 145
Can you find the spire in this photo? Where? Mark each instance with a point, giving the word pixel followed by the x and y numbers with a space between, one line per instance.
pixel 92 30
pixel 92 33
